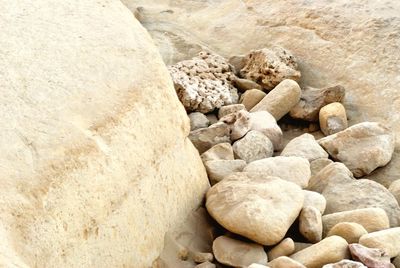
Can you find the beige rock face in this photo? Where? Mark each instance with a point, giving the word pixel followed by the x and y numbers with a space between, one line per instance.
pixel 332 118
pixel 246 84
pixel 261 208
pixel 251 97
pixel 221 151
pixel 217 170
pixel 92 173
pixel 387 240
pixel 284 248
pixel 318 164
pixel 314 199
pixel 335 173
pixel 350 231
pixel 310 224
pixel 304 146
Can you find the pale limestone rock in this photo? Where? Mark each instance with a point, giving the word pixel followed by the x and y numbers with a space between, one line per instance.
pixel 284 248
pixel 315 200
pixel 304 146
pixel 388 240
pixel 245 84
pixel 221 151
pixel 206 264
pixel 198 120
pixel 238 122
pixel 280 100
pixel 237 253
pixel 230 109
pixel 200 257
pixel 285 262
pixel 332 118
pixel 251 97
pixel 362 147
pixel 394 189
pixel 328 250
pixel 261 208
pixel 253 146
pixel 205 138
pixel 334 173
pixel 310 224
pixel 292 168
pixel 269 67
pixel 318 164
pixel 313 99
pixel 217 170
pixel 345 264
pixel 372 219
pixel 350 231
pixel 371 257
pixel 265 123
pixel 204 82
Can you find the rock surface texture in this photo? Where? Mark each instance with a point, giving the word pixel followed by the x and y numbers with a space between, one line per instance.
pixel 92 173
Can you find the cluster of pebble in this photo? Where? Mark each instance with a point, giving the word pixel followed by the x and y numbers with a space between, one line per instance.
pixel 298 205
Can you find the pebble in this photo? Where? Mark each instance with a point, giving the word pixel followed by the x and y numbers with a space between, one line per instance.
pixel 284 248
pixel 253 146
pixel 315 200
pixel 305 146
pixel 350 231
pixel 230 109
pixel 205 138
pixel 200 257
pixel 221 151
pixel 388 240
pixel 217 170
pixel 265 123
pixel 332 118
pixel 198 120
pixel 239 124
pixel 371 257
pixel 251 97
pixel 246 84
pixel 285 262
pixel 310 224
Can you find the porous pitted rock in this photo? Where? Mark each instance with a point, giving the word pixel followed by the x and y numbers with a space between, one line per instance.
pixel 350 231
pixel 265 123
pixel 239 124
pixel 362 147
pixel 204 82
pixel 304 146
pixel 269 67
pixel 251 97
pixel 371 257
pixel 284 248
pixel 285 262
pixel 345 264
pixel 238 253
pixel 310 224
pixel 332 118
pixel 230 109
pixel 219 169
pixel 313 99
pixel 198 120
pixel 261 208
pixel 280 100
pixel 290 168
pixel 372 219
pixel 205 138
pixel 221 151
pixel 394 189
pixel 388 240
pixel 318 164
pixel 334 173
pixel 245 84
pixel 253 146
pixel 314 199
pixel 328 250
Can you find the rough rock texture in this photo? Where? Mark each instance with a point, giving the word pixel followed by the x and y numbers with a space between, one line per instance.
pixel 334 173
pixel 291 168
pixel 237 253
pixel 198 120
pixel 221 151
pixel 284 248
pixel 318 164
pixel 269 67
pixel 313 99
pixel 253 146
pixel 204 82
pixel 388 240
pixel 205 138
pixel 304 146
pixel 372 219
pixel 332 118
pixel 345 264
pixel 92 173
pixel 285 262
pixel 229 109
pixel 238 122
pixel 265 123
pixel 362 147
pixel 217 170
pixel 371 257
pixel 261 208
pixel 314 199
pixel 251 97
pixel 280 100
pixel 350 231
pixel 310 224
pixel 328 250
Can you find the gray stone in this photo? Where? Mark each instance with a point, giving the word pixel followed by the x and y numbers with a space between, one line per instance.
pixel 253 146
pixel 217 170
pixel 198 120
pixel 205 138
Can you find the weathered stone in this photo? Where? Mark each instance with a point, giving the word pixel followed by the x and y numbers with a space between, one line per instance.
pixel 328 250
pixel 371 257
pixel 251 97
pixel 388 240
pixel 206 265
pixel 334 173
pixel 245 84
pixel 217 170
pixel 204 82
pixel 261 208
pixel 362 147
pixel 345 264
pixel 230 109
pixel 318 164
pixel 198 120
pixel 314 199
pixel 292 168
pixel 313 99
pixel 350 231
pixel 239 124
pixel 300 246
pixel 284 248
pixel 394 189
pixel 372 219
pixel 332 118
pixel 310 224
pixel 269 67
pixel 304 146
pixel 285 262
pixel 280 100
pixel 200 257
pixel 253 146
pixel 221 151
pixel 205 138
pixel 237 253
pixel 265 123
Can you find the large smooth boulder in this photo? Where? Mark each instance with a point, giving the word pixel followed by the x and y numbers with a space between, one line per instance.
pixel 95 163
